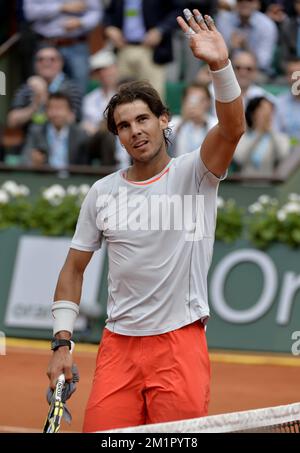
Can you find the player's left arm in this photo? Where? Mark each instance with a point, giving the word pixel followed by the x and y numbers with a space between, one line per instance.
pixel 208 45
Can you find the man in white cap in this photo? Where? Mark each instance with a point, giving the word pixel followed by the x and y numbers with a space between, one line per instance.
pixel 104 70
pixel 103 146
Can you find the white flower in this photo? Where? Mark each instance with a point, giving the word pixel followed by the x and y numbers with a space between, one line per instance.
pixel 294 197
pixel 55 191
pixel 281 215
pixel 58 190
pixel 255 207
pixel 24 190
pixel 4 198
pixel 53 200
pixel 11 187
pixel 220 202
pixel 54 194
pixel 264 199
pixel 83 189
pixel 292 207
pixel 72 190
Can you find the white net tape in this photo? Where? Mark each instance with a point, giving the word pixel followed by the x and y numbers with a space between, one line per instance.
pixel 224 423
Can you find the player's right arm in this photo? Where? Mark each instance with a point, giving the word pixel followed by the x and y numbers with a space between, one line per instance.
pixel 69 287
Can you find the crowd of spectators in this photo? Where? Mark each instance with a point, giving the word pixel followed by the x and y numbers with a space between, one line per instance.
pixel 59 105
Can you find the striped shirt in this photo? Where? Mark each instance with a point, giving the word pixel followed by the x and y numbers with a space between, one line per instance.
pixel 24 95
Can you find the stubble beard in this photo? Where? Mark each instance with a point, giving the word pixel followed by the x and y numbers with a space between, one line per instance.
pixel 160 149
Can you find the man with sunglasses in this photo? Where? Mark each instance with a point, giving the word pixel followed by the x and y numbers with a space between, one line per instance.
pixel 247 28
pixel 244 64
pixel 28 105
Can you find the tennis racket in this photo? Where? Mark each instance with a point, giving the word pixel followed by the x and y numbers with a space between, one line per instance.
pixel 56 410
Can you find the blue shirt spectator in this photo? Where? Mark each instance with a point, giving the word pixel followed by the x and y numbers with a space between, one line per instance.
pixel 250 31
pixel 134 27
pixel 141 32
pixel 50 19
pixel 66 24
pixel 59 142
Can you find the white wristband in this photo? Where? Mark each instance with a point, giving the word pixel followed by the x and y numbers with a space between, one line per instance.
pixel 64 314
pixel 226 86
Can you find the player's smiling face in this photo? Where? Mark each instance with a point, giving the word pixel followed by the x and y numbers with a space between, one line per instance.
pixel 140 131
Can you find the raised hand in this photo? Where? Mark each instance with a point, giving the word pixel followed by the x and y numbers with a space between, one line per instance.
pixel 206 42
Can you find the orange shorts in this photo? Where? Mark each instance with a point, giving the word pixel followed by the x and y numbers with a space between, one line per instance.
pixel 149 379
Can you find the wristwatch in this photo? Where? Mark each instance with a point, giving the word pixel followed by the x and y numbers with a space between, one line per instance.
pixel 55 344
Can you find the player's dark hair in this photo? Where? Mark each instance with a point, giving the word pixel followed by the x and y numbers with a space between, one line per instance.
pixel 133 91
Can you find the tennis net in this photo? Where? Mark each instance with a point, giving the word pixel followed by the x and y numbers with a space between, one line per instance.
pixel 279 419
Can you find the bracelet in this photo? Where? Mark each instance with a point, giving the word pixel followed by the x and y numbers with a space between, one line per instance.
pixel 64 314
pixel 57 343
pixel 226 86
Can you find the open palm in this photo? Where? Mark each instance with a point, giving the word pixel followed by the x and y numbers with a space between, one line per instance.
pixel 206 42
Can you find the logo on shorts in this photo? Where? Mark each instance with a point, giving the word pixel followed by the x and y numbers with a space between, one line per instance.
pixel 2 84
pixel 2 343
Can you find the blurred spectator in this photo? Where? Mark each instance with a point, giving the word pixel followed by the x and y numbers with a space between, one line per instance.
pixel 244 64
pixel 260 148
pixel 287 117
pixel 276 12
pixel 29 101
pixel 204 75
pixel 104 147
pixel 248 29
pixel 290 35
pixel 190 129
pixel 268 5
pixel 66 24
pixel 59 142
pixel 103 69
pixel 141 31
pixel 185 65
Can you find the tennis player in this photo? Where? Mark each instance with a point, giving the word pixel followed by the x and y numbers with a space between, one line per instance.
pixel 153 364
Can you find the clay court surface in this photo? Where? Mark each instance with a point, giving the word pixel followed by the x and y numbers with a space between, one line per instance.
pixel 240 381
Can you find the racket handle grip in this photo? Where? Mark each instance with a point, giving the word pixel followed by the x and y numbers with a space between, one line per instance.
pixel 61 378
